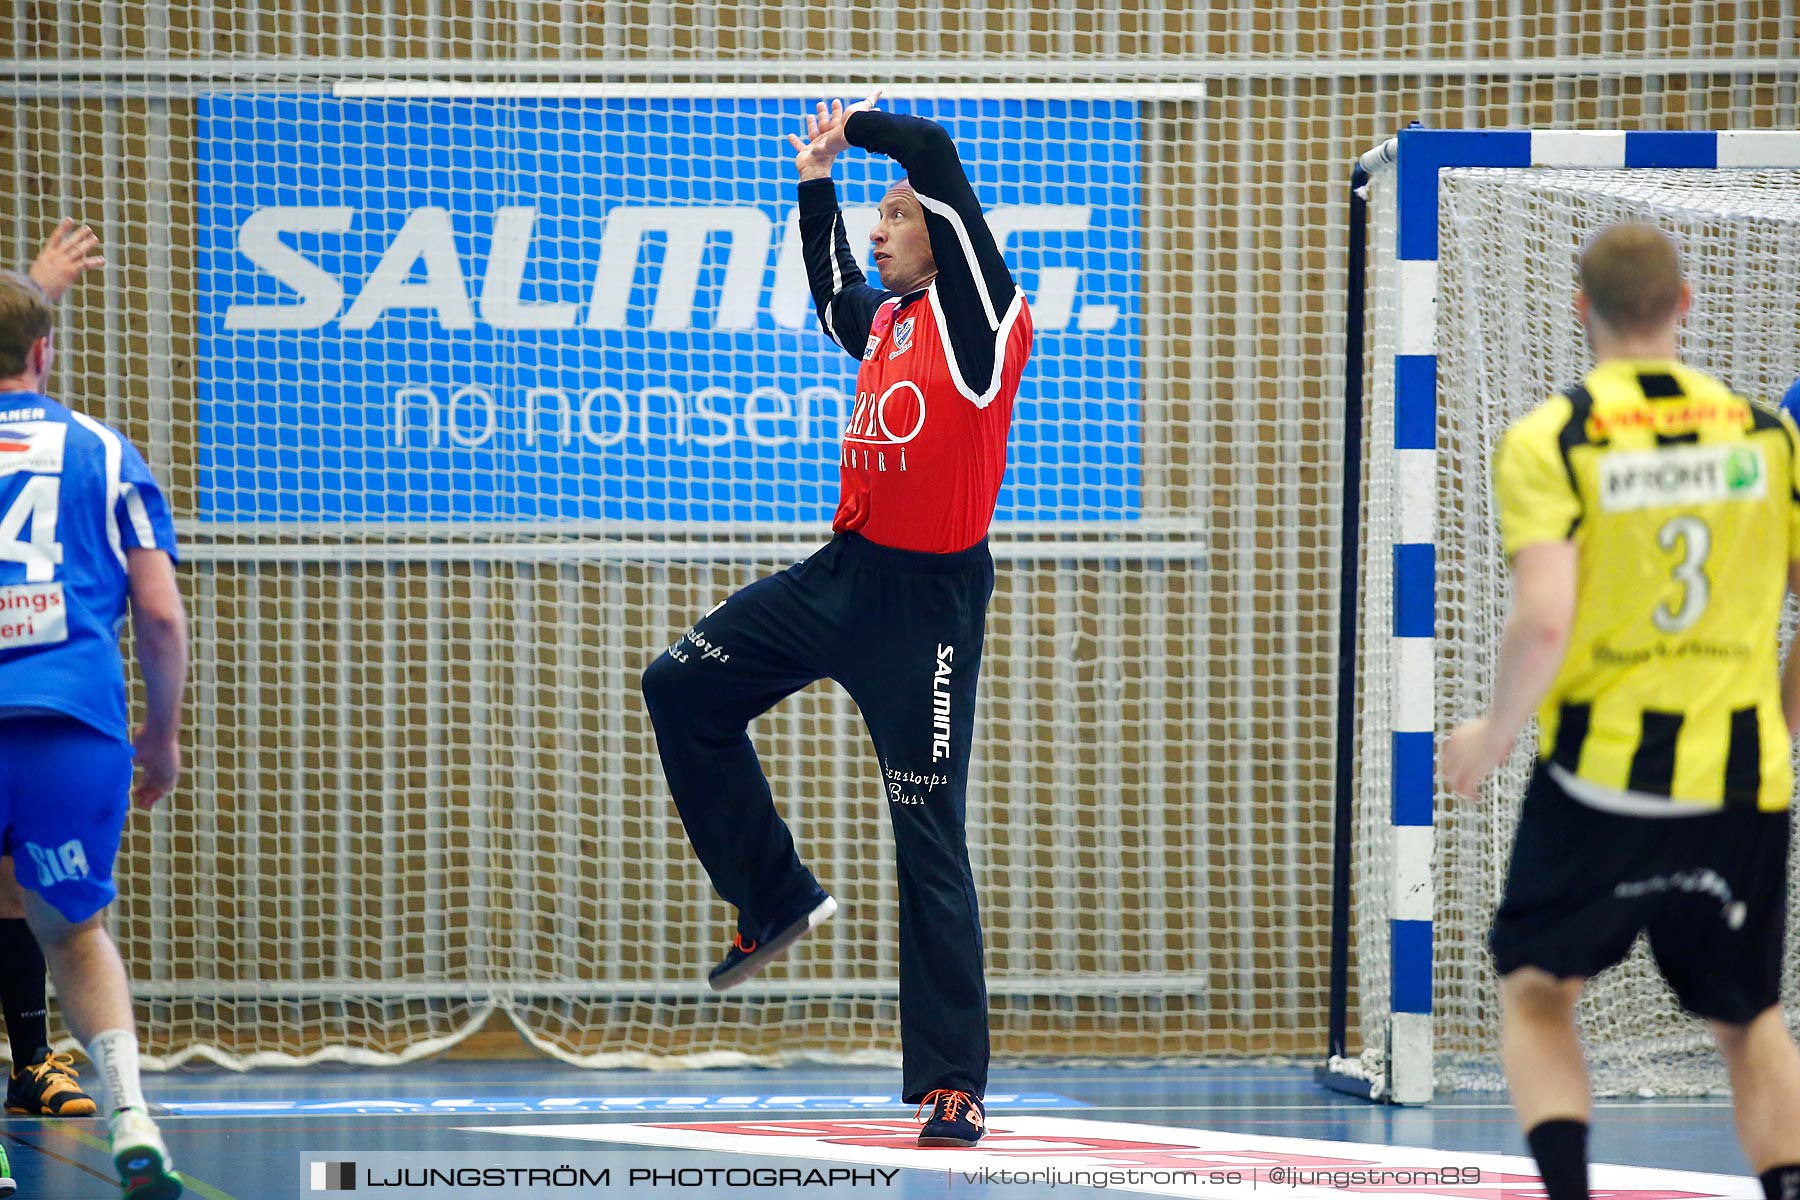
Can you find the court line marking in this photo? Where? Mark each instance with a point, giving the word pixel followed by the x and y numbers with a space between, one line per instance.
pixel 1034 1143
pixel 556 1073
pixel 1325 1113
pixel 189 1182
pixel 1442 1112
pixel 48 1153
pixel 399 1123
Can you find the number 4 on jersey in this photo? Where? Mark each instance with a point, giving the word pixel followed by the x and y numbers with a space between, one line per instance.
pixel 36 503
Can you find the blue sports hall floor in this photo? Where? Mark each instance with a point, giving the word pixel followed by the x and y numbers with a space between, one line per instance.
pixel 460 1128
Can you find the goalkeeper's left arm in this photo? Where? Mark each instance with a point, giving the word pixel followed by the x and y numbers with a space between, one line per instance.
pixel 975 288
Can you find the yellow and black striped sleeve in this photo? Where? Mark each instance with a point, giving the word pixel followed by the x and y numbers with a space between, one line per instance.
pixel 1532 480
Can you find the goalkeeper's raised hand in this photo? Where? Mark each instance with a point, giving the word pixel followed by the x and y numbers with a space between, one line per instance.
pixel 825 140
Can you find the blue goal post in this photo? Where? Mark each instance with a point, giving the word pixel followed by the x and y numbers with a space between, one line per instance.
pixel 1398 1066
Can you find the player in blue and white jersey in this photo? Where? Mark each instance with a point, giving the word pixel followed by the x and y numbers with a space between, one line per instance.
pixel 1791 402
pixel 85 538
pixel 41 1083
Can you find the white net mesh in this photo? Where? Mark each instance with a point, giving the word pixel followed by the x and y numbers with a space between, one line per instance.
pixel 1507 337
pixel 422 790
pixel 1376 674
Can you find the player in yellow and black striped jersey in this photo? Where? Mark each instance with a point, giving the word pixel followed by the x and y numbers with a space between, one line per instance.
pixel 1668 696
pixel 1652 518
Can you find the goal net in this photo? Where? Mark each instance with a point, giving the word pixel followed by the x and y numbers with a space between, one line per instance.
pixel 1506 337
pixel 512 388
pixel 475 394
pixel 473 344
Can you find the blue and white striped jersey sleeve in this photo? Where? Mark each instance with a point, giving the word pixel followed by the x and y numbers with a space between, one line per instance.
pixel 142 513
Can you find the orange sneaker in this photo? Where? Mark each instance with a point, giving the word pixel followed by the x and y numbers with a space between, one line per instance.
pixel 46 1087
pixel 956 1119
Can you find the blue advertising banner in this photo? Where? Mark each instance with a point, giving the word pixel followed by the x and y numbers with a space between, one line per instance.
pixel 555 309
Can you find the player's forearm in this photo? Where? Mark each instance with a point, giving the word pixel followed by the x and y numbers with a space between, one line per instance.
pixel 975 288
pixel 1532 649
pixel 824 243
pixel 47 285
pixel 923 149
pixel 961 240
pixel 845 302
pixel 965 255
pixel 1790 672
pixel 1790 688
pixel 162 653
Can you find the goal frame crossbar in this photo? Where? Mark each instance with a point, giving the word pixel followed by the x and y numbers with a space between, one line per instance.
pixel 1417 156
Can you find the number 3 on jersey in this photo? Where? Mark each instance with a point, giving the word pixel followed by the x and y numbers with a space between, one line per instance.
pixel 1694 539
pixel 36 503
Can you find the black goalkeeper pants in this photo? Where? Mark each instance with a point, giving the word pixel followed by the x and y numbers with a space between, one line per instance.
pixel 902 632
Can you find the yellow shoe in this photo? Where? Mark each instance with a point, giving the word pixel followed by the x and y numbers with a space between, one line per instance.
pixel 46 1087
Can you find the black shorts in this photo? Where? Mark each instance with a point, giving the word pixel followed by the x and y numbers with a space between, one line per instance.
pixel 1710 890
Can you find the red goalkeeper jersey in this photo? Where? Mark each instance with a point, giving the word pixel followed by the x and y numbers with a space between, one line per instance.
pixel 923 453
pixel 924 449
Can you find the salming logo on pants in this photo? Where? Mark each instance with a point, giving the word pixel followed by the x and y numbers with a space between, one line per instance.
pixel 940 704
pixel 902 632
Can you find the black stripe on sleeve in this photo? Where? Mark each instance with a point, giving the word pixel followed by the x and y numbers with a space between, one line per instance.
pixel 1743 760
pixel 1653 766
pixel 1761 419
pixel 1571 734
pixel 1575 433
pixel 1788 430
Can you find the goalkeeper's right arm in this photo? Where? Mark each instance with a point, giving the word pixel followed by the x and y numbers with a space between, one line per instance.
pixel 845 301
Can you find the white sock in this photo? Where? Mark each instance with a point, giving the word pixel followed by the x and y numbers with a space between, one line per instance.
pixel 115 1055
